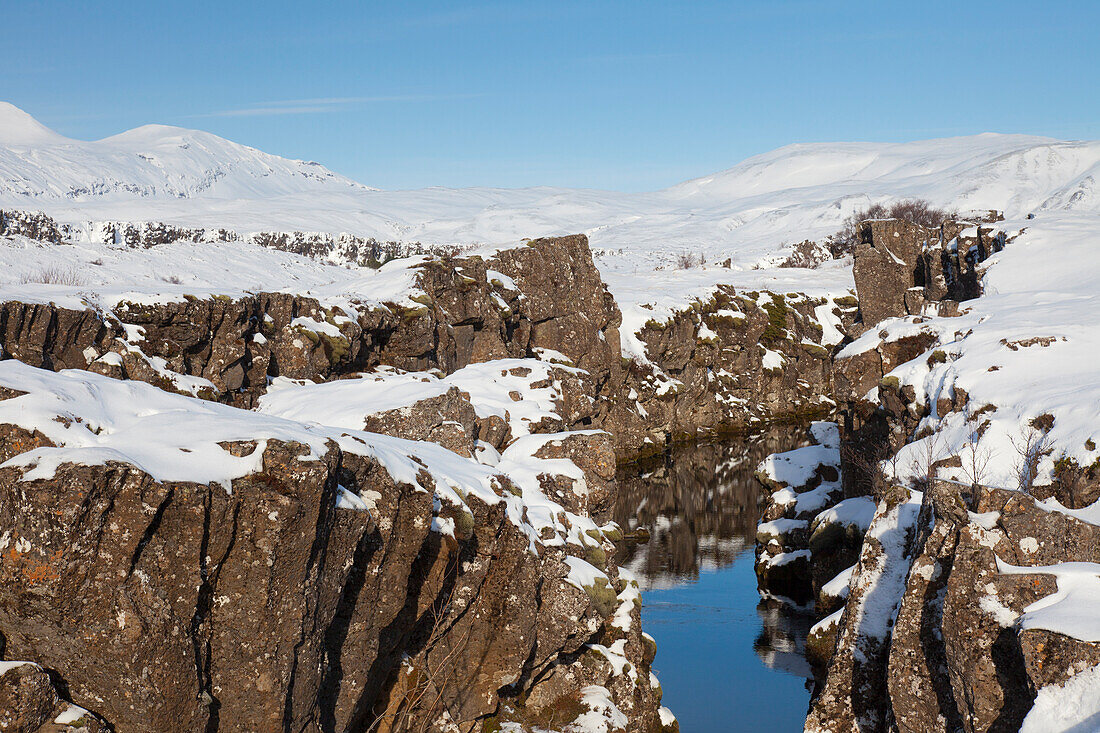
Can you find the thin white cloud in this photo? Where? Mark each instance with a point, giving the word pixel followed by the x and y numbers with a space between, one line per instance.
pixel 326 104
pixel 262 111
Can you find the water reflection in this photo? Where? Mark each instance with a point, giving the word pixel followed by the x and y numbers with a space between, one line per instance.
pixel 700 504
pixel 781 644
pixel 724 653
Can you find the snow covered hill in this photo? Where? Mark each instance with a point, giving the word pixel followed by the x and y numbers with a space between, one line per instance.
pixel 40 168
pixel 747 215
pixel 191 178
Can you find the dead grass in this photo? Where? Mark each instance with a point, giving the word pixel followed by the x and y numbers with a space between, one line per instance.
pixel 687 260
pixel 54 275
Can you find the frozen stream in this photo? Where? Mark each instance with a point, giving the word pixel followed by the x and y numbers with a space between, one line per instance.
pixel 727 659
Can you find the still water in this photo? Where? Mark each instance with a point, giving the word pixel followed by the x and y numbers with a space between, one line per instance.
pixel 727 659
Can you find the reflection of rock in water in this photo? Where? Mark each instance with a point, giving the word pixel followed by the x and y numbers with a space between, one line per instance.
pixel 699 503
pixel 781 644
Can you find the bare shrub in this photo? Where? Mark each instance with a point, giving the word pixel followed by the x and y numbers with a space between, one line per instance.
pixel 1030 449
pixel 975 457
pixel 686 260
pixel 808 254
pixel 867 475
pixel 975 461
pixel 423 687
pixel 171 279
pixel 917 211
pixel 925 462
pixel 54 275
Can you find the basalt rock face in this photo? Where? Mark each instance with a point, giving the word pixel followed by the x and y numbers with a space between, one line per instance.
pixel 550 297
pixel 729 364
pixel 953 657
pixel 32 224
pixel 946 652
pixel 902 268
pixel 925 630
pixel 274 606
pixel 31 703
pixel 726 365
pixel 232 345
pixel 186 607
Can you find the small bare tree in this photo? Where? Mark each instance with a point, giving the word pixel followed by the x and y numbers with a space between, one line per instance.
pixel 421 700
pixel 1030 448
pixel 866 474
pixel 976 458
pixel 915 210
pixel 923 465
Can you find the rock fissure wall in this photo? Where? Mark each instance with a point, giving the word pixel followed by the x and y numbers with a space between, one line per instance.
pixel 922 631
pixel 729 364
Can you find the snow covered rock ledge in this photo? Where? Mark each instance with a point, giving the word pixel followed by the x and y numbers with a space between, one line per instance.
pixel 973 605
pixel 184 564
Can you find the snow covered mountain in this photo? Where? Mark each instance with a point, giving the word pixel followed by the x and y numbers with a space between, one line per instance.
pixel 192 178
pixel 154 162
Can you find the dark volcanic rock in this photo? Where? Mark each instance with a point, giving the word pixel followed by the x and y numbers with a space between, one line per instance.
pixel 708 375
pixel 448 420
pixel 902 268
pixel 27 699
pixel 886 259
pixel 30 703
pixel 183 606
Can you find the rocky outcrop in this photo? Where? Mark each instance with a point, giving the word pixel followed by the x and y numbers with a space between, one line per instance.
pixel 902 268
pixel 291 601
pixel 282 604
pixel 447 420
pixel 936 631
pixel 955 657
pixel 232 346
pixel 343 249
pixel 299 617
pixel 732 363
pixel 462 315
pixel 728 364
pixel 810 532
pixel 33 225
pixel 31 703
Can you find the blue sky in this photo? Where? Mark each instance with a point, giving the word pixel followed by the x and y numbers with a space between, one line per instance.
pixel 623 95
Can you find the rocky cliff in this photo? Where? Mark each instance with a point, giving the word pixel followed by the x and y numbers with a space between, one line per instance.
pixel 729 362
pixel 186 547
pixel 945 528
pixel 186 542
pixel 342 581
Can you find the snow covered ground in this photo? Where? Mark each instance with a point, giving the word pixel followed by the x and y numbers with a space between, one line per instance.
pixel 746 214
pixel 102 275
pixel 194 178
pixel 1025 349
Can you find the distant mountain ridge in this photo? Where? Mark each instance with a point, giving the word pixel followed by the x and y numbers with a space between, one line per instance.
pixel 197 179
pixel 149 162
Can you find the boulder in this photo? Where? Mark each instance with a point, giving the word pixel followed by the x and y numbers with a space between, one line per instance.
pixel 885 262
pixel 448 420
